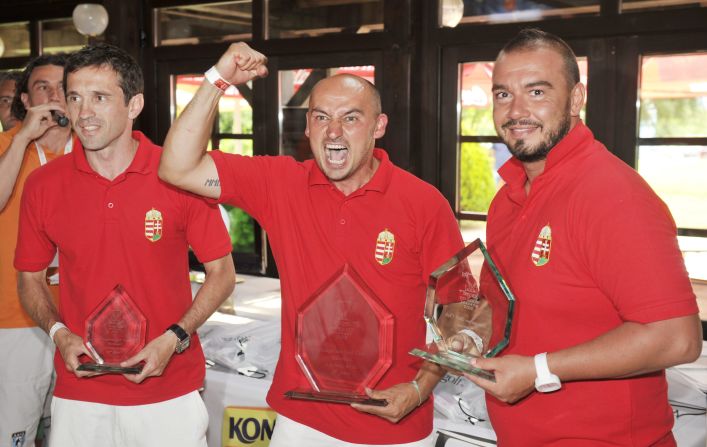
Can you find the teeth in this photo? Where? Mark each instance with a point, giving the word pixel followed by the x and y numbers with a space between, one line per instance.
pixel 336 154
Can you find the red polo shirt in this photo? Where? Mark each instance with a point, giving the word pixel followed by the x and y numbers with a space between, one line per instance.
pixel 589 248
pixel 313 230
pixel 134 230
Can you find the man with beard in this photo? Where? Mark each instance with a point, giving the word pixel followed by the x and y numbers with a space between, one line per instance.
pixel 604 301
pixel 350 205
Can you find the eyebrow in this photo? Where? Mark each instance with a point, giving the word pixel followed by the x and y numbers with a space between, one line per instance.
pixel 348 112
pixel 496 87
pixel 39 82
pixel 93 92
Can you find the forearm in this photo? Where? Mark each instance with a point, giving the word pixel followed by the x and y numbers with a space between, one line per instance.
pixel 219 283
pixel 187 139
pixel 427 378
pixel 631 349
pixel 37 300
pixel 10 163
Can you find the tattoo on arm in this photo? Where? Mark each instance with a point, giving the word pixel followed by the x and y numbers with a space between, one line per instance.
pixel 213 182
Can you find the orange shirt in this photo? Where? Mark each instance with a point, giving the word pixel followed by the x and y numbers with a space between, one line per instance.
pixel 12 315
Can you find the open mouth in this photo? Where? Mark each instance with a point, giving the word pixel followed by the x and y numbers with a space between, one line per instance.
pixel 336 153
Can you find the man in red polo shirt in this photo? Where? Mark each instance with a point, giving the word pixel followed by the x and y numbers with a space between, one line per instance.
pixel 604 301
pixel 319 215
pixel 115 223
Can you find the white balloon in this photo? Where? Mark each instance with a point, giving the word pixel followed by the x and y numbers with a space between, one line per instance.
pixel 90 19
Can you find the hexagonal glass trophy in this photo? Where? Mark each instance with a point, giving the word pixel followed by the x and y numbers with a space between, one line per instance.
pixel 344 337
pixel 469 311
pixel 115 331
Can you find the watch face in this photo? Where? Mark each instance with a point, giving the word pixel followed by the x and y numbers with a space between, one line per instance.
pixel 182 346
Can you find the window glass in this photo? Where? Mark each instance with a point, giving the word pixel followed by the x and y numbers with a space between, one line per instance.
pixel 673 96
pixel 452 12
pixel 298 18
pixel 641 5
pixel 678 176
pixel 295 88
pixel 233 133
pixel 61 36
pixel 203 23
pixel 14 39
pixel 672 144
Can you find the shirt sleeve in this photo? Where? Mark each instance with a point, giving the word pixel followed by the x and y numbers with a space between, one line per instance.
pixel 441 238
pixel 243 181
pixel 205 230
pixel 631 250
pixel 34 251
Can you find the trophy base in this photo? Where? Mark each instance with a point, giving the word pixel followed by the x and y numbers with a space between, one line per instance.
pixel 110 369
pixel 336 398
pixel 454 360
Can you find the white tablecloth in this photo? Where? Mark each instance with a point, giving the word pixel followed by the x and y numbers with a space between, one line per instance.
pixel 258 298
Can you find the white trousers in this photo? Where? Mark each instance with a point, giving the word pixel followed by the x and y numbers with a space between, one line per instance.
pixel 26 368
pixel 179 422
pixel 289 433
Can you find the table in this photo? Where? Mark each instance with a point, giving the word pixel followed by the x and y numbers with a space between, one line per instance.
pixel 258 298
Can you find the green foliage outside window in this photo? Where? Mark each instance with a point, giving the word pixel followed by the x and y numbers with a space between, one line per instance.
pixel 673 117
pixel 476 182
pixel 241 230
pixel 477 185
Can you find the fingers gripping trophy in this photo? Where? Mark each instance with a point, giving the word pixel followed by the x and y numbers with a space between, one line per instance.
pixel 468 310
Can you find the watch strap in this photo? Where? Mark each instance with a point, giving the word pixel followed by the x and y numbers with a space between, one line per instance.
pixel 179 332
pixel 545 381
pixel 183 337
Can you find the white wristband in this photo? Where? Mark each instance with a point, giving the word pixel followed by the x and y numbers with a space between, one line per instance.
pixel 214 77
pixel 55 328
pixel 478 341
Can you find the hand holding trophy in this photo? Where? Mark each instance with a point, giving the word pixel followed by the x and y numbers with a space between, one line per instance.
pixel 115 331
pixel 469 311
pixel 344 336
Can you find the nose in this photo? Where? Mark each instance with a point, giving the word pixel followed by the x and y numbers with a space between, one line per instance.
pixel 334 129
pixel 56 94
pixel 85 109
pixel 518 108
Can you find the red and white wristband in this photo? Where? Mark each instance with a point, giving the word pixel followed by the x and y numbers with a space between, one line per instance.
pixel 214 77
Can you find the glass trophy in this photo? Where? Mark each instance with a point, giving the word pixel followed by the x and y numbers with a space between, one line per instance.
pixel 469 311
pixel 344 341
pixel 115 331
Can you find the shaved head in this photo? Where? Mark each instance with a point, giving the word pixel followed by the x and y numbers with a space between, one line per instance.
pixel 351 83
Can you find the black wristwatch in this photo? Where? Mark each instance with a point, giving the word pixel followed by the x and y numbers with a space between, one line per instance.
pixel 183 337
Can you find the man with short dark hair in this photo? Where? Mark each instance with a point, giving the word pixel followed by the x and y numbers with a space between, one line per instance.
pixel 604 301
pixel 8 84
pixel 115 223
pixel 26 368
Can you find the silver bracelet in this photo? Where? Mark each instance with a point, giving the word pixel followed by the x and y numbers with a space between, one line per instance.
pixel 419 394
pixel 55 328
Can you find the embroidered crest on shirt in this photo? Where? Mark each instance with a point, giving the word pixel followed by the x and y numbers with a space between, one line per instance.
pixel 385 247
pixel 541 251
pixel 153 225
